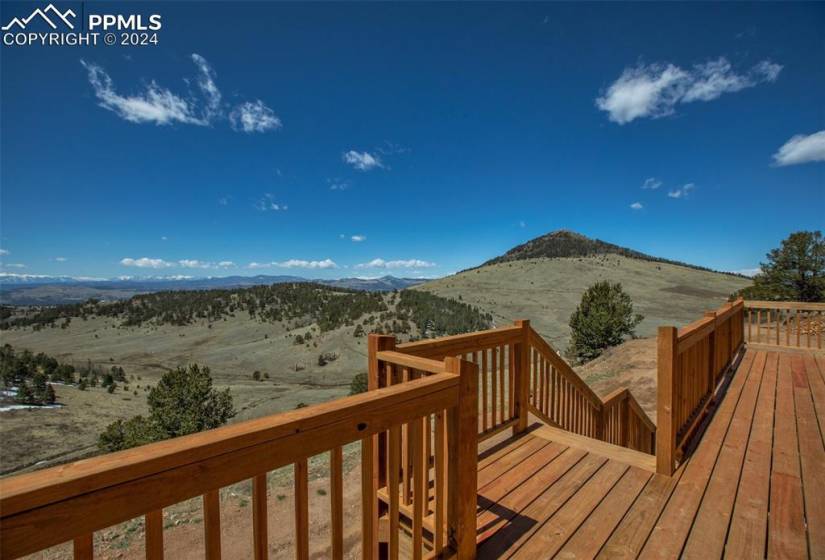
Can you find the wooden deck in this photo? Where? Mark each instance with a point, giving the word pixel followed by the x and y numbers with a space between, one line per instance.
pixel 754 487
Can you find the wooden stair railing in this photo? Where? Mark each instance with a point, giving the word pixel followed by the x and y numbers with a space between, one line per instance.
pixel 71 502
pixel 520 373
pixel 691 362
pixel 561 398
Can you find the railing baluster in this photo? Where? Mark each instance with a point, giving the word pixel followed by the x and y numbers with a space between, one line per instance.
pixel 484 408
pixel 83 547
pixel 369 497
pixel 336 496
pixel 212 524
pixel 394 487
pixel 440 480
pixel 494 387
pixel 154 534
pixel 419 483
pixel 302 510
pixel 260 544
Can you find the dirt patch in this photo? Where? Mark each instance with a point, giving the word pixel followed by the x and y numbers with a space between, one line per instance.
pixel 631 365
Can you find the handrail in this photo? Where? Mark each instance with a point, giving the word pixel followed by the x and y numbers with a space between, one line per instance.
pixel 561 398
pixel 439 348
pixel 549 353
pixel 790 324
pixel 48 507
pixel 691 362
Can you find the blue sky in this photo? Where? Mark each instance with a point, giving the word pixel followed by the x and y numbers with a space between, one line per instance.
pixel 331 140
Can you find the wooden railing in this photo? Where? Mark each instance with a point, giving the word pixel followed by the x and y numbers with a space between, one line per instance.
pixel 785 323
pixel 691 362
pixel 520 373
pixel 71 502
pixel 561 398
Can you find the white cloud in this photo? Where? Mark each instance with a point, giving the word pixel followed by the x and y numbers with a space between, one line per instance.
pixel 194 263
pixel 410 263
pixel 651 183
pixel 522 224
pixel 802 149
pixel 358 238
pixel 748 271
pixel 155 105
pixel 14 265
pixel 267 203
pixel 146 262
pixel 362 161
pixel 681 192
pixel 654 90
pixel 298 263
pixel 4 252
pixel 164 238
pixel 254 116
pixel 61 259
pixel 206 82
pixel 637 206
pixel 295 263
pixel 338 184
pixel 256 265
pixel 159 105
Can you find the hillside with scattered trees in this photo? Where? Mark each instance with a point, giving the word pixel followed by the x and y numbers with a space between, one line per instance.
pixel 295 304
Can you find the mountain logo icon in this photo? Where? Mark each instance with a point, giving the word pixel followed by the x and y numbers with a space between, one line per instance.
pixel 50 10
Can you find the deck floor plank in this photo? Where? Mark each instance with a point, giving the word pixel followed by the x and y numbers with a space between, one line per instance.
pixel 669 533
pixel 817 385
pixel 631 534
pixel 499 515
pixel 748 529
pixel 710 528
pixel 494 491
pixel 786 521
pixel 548 537
pixel 592 534
pixel 519 528
pixel 812 459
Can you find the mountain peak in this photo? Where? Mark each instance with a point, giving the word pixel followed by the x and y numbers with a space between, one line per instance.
pixel 563 243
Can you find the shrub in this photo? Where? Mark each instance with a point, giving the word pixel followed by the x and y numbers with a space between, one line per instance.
pixel 603 319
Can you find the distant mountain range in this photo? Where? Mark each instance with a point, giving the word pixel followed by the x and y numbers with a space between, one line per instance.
pixel 25 289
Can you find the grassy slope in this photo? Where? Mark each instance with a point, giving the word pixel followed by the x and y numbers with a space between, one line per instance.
pixel 233 349
pixel 546 291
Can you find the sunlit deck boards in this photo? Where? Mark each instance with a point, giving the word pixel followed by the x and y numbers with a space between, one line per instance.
pixel 753 488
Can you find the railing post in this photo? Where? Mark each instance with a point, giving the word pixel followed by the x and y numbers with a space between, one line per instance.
pixel 373 454
pixel 521 377
pixel 462 453
pixel 626 421
pixel 666 396
pixel 713 364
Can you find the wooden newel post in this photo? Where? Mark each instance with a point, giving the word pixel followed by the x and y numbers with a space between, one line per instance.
pixel 373 453
pixel 713 352
pixel 462 451
pixel 521 377
pixel 666 396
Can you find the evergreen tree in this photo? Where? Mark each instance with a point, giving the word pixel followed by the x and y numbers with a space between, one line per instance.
pixel 603 318
pixel 795 271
